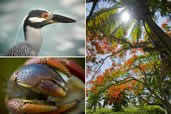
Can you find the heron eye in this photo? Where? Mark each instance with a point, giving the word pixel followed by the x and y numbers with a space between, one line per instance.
pixel 44 15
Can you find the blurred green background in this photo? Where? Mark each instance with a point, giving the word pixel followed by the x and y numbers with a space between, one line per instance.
pixel 59 39
pixel 8 66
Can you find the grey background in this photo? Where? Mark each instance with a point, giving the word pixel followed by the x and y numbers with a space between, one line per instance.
pixel 59 39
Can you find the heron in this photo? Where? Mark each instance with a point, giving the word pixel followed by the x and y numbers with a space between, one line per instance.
pixel 33 23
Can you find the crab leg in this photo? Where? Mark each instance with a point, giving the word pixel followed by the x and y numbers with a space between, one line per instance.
pixel 62 64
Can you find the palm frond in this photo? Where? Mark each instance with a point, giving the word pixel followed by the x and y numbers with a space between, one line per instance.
pixel 136 32
pixel 101 19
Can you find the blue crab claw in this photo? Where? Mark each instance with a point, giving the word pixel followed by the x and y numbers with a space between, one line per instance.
pixel 41 78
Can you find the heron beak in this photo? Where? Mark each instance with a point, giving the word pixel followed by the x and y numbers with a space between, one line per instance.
pixel 61 19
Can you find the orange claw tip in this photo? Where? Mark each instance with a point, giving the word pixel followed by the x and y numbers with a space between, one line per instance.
pixel 49 88
pixel 67 106
pixel 37 108
pixel 56 63
pixel 64 107
pixel 58 92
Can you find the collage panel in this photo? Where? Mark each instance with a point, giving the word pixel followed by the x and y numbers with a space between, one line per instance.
pixel 85 57
pixel 42 85
pixel 42 57
pixel 128 57
pixel 42 28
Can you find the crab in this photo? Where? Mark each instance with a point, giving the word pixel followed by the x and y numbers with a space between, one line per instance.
pixel 46 86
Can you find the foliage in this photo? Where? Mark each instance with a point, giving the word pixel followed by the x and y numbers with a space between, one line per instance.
pixel 150 109
pixel 98 111
pixel 142 110
pixel 93 100
pixel 165 25
pixel 127 60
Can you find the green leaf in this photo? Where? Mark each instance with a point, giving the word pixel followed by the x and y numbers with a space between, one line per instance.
pixel 101 21
pixel 136 32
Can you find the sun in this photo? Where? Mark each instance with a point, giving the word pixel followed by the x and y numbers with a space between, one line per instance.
pixel 125 16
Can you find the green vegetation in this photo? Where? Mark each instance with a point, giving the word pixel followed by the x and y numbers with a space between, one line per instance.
pixel 141 110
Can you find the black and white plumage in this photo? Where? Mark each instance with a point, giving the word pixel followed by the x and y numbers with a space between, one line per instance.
pixel 33 23
pixel 23 49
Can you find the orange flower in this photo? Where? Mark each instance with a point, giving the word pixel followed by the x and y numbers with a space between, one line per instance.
pixel 164 25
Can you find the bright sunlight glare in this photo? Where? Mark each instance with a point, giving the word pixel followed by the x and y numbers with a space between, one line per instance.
pixel 125 16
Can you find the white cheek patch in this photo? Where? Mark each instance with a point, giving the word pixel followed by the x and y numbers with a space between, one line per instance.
pixel 36 19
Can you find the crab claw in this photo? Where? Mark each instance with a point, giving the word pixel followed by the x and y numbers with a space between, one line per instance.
pixel 21 105
pixel 67 66
pixel 33 106
pixel 46 86
pixel 52 62
pixel 74 68
pixel 41 79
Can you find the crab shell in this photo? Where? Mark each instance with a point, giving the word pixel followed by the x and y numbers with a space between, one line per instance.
pixel 47 86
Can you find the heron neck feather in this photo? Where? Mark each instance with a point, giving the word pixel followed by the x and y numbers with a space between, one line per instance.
pixel 33 36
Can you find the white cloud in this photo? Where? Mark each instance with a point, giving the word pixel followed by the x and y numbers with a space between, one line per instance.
pixel 79 33
pixel 67 2
pixel 64 45
pixel 81 51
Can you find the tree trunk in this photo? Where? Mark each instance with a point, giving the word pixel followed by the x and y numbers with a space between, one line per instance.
pixel 167 106
pixel 104 103
pixel 161 39
pixel 94 107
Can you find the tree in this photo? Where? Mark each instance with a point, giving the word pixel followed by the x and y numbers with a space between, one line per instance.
pixel 142 13
pixel 93 101
pixel 145 44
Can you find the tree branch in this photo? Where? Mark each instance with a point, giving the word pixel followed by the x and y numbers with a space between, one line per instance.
pixel 103 60
pixel 92 9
